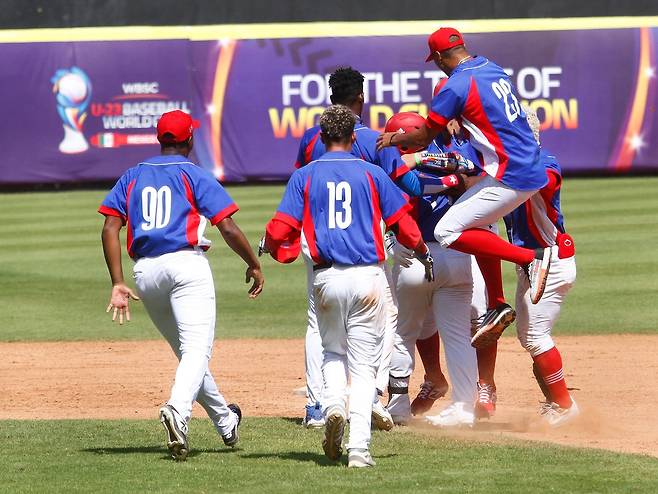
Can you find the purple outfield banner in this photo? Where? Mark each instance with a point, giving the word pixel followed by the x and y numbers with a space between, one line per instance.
pixel 87 110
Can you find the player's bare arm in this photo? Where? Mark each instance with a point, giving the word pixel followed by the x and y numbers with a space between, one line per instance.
pixel 121 293
pixel 239 244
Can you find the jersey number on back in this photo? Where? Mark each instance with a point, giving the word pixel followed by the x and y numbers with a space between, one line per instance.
pixel 342 193
pixel 156 207
pixel 503 90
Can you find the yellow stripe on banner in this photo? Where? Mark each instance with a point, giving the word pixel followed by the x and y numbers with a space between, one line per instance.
pixel 316 29
pixel 224 61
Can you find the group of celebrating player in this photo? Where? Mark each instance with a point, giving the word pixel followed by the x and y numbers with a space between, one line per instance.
pixel 429 191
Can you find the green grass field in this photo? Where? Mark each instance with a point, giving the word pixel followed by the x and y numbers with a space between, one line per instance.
pixel 55 287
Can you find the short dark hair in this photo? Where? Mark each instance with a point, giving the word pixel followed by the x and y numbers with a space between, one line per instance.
pixel 346 84
pixel 337 123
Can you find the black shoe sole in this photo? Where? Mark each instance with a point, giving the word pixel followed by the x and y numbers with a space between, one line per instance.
pixel 233 439
pixel 176 440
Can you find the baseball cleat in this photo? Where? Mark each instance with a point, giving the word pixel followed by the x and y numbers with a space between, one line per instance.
pixel 360 458
pixel 556 416
pixel 485 406
pixel 537 272
pixel 314 418
pixel 492 325
pixel 176 435
pixel 428 394
pixel 334 427
pixel 381 417
pixel 232 438
pixel 459 414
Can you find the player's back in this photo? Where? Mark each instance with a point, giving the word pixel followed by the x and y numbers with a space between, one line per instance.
pixel 164 201
pixel 347 198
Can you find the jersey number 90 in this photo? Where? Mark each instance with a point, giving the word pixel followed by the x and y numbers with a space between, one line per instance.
pixel 156 207
pixel 340 192
pixel 503 90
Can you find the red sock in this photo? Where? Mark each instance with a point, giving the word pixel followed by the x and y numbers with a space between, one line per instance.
pixel 485 243
pixel 429 349
pixel 493 277
pixel 549 365
pixel 487 363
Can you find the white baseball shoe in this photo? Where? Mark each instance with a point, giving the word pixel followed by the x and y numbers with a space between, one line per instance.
pixel 556 416
pixel 381 417
pixel 334 428
pixel 537 272
pixel 360 458
pixel 176 433
pixel 459 414
pixel 491 325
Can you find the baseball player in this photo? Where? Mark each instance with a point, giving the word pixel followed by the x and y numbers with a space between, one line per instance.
pixel 480 95
pixel 539 223
pixel 422 308
pixel 347 89
pixel 165 203
pixel 339 201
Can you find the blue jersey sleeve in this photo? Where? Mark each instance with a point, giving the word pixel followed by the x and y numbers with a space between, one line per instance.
pixel 389 160
pixel 448 103
pixel 291 208
pixel 392 202
pixel 210 197
pixel 306 147
pixel 115 203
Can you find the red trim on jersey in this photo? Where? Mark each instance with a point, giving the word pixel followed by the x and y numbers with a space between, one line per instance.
pixel 309 227
pixel 298 165
pixel 408 233
pixel 308 152
pixel 193 219
pixel 436 121
pixel 548 193
pixel 288 220
pixel 229 210
pixel 395 217
pixel 474 111
pixel 532 226
pixel 399 171
pixel 377 219
pixel 104 210
pixel 129 231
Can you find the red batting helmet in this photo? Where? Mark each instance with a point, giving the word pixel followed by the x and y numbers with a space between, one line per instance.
pixel 406 121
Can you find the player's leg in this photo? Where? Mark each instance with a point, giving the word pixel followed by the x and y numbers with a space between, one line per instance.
pixel 451 306
pixel 365 335
pixel 463 228
pixel 331 294
pixel 534 331
pixel 380 415
pixel 413 294
pixel 435 384
pixel 313 416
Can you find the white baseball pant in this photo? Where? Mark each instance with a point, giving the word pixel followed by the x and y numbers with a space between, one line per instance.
pixel 448 299
pixel 534 322
pixel 350 304
pixel 481 205
pixel 178 293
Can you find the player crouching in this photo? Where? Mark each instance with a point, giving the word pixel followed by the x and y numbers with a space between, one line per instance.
pixel 339 202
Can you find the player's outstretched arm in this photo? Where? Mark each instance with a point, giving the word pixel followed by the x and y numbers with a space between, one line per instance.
pixel 121 293
pixel 239 244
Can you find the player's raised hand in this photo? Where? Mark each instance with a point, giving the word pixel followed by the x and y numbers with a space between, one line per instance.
pixel 119 298
pixel 259 280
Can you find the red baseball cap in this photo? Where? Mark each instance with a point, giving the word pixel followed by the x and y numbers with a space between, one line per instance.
pixel 440 40
pixel 178 124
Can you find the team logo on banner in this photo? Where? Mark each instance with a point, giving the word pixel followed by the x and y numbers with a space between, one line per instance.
pixel 72 89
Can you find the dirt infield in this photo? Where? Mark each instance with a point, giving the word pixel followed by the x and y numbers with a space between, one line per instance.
pixel 613 376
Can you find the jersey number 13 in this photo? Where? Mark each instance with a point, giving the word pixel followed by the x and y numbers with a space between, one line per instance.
pixel 340 195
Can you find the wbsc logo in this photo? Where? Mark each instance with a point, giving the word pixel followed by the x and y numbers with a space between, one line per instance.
pixel 72 88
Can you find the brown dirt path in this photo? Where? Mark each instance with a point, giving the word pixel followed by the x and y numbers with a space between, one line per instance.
pixel 614 376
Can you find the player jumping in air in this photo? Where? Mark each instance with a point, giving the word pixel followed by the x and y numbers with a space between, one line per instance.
pixel 339 202
pixel 480 96
pixel 164 203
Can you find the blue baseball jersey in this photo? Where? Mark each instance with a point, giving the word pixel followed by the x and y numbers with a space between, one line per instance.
pixel 339 202
pixel 164 203
pixel 388 159
pixel 537 222
pixel 481 96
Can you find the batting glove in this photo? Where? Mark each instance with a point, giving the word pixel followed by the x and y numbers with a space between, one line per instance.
pixel 427 261
pixel 397 251
pixel 261 247
pixel 444 163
